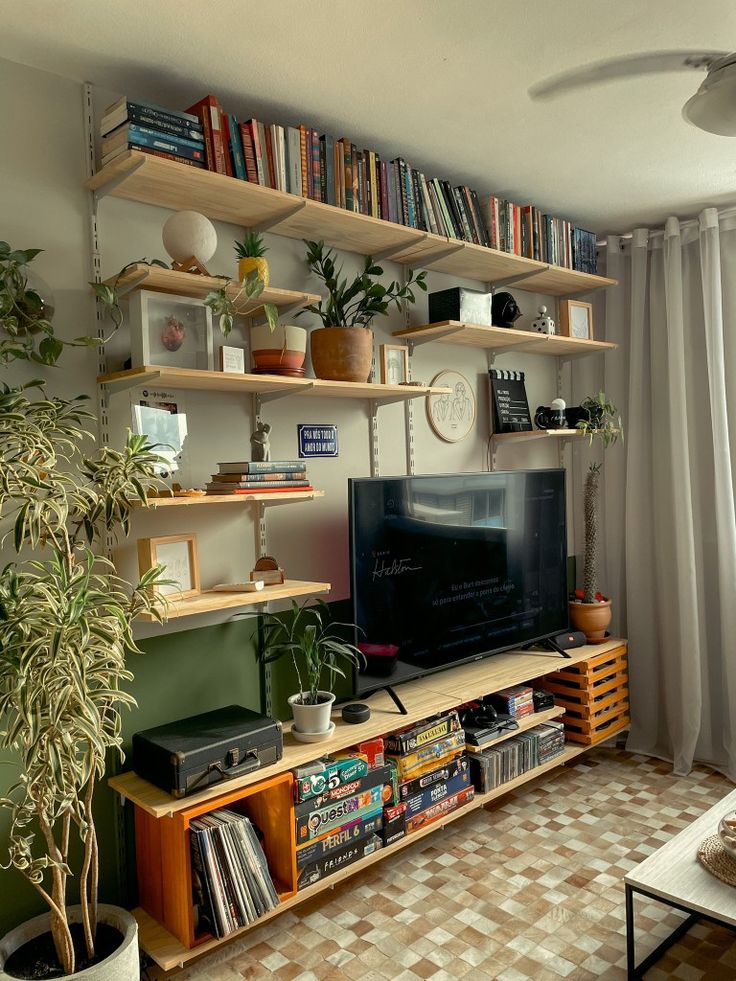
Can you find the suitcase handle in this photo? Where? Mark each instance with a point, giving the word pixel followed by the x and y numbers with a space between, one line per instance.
pixel 251 762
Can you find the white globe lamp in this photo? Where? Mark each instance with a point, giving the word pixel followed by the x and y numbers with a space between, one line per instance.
pixel 187 236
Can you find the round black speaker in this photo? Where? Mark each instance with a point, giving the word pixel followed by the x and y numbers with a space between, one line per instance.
pixel 355 712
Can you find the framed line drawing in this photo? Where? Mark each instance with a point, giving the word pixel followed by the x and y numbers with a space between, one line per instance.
pixel 178 553
pixel 576 319
pixel 451 416
pixel 394 364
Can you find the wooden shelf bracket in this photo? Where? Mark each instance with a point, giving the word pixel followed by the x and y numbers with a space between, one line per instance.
pixel 263 397
pixel 439 256
pixel 519 278
pixel 112 185
pixel 393 250
pixel 264 226
pixel 428 338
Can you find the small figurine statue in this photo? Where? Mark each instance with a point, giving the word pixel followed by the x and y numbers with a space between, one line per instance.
pixel 504 310
pixel 543 323
pixel 260 448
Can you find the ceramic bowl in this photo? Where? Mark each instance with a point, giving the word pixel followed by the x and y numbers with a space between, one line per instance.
pixel 727 832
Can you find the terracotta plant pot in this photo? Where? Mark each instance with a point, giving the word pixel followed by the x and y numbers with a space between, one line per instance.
pixel 281 352
pixel 342 353
pixel 122 965
pixel 249 263
pixel 592 618
pixel 312 719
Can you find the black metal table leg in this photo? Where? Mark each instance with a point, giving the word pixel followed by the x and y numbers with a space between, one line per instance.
pixel 630 938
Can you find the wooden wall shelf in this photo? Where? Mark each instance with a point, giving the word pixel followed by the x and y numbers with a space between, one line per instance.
pixel 501 339
pixel 214 602
pixel 278 498
pixel 141 276
pixel 218 381
pixel 154 180
pixel 559 434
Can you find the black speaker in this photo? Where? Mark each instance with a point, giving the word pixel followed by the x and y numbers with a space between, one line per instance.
pixel 570 639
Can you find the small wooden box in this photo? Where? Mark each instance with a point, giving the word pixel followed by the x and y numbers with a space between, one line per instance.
pixel 595 696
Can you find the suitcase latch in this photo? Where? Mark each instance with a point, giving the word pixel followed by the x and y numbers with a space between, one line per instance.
pixel 232 757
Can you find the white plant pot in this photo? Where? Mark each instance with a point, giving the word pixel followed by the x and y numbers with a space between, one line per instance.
pixel 312 718
pixel 122 965
pixel 280 352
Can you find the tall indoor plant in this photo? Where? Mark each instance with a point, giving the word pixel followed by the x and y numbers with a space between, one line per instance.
pixel 311 640
pixel 346 354
pixel 590 611
pixel 65 628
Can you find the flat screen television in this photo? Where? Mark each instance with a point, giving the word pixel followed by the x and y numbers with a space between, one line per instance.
pixel 454 567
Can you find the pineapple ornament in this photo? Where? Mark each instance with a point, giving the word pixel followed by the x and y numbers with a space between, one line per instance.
pixel 543 324
pixel 250 253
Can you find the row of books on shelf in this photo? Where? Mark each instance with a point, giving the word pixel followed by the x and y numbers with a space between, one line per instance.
pixel 232 885
pixel 298 160
pixel 247 477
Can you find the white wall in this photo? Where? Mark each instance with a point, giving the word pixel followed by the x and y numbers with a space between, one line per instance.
pixel 43 205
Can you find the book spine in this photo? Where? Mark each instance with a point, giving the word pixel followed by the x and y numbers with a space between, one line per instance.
pixel 186 131
pixel 452 208
pixel 136 133
pixel 457 197
pixel 418 216
pixel 409 194
pixel 348 167
pixel 439 191
pixel 258 466
pixel 246 138
pixel 437 209
pixel 189 117
pixel 482 227
pixel 255 140
pixel 361 183
pixel 304 157
pixel 383 172
pixel 275 475
pixel 225 123
pixel 373 183
pixel 356 177
pixel 236 150
pixel 329 196
pixel 272 175
pixel 339 174
pixel 316 167
pixel 393 195
pixel 142 140
pixel 202 889
pixel 496 224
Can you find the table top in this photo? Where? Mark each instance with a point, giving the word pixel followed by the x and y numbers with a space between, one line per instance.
pixel 674 872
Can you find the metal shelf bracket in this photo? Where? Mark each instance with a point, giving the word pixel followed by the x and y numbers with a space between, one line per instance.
pixel 115 183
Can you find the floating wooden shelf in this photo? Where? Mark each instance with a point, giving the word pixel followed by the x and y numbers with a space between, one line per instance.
pixel 502 339
pixel 214 602
pixel 279 498
pixel 154 180
pixel 538 434
pixel 144 277
pixel 218 381
pixel 422 698
pixel 169 953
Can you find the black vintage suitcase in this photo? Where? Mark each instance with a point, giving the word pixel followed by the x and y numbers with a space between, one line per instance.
pixel 191 754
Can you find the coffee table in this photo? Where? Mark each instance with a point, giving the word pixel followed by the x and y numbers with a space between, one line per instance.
pixel 673 875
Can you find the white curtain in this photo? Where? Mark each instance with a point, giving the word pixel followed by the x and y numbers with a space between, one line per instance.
pixel 669 516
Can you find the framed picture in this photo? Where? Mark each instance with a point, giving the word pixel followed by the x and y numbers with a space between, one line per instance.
pixel 171 331
pixel 451 416
pixel 232 360
pixel 394 364
pixel 178 553
pixel 576 319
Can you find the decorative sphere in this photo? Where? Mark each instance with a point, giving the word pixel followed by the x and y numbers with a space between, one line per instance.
pixel 188 233
pixel 542 311
pixel 557 404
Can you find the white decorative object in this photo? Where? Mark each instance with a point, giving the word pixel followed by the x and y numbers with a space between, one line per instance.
pixel 189 235
pixel 543 324
pixel 452 416
pixel 170 331
pixel 232 360
pixel 558 405
pixel 727 832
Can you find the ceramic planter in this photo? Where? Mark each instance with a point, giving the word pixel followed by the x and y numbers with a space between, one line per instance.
pixel 342 353
pixel 281 352
pixel 592 618
pixel 312 718
pixel 122 965
pixel 249 263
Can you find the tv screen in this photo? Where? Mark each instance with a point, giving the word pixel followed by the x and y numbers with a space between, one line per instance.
pixel 454 567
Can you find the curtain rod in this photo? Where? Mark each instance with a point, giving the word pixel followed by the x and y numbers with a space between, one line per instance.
pixel 685 223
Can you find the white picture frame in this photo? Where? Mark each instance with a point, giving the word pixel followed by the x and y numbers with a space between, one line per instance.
pixel 576 319
pixel 170 331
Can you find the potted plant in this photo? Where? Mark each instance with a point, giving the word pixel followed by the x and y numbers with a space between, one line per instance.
pixel 250 253
pixel 346 354
pixel 590 611
pixel 317 652
pixel 65 628
pixel 276 349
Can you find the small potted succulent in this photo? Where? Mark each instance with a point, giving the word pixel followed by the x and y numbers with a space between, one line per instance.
pixel 250 253
pixel 342 349
pixel 590 611
pixel 318 653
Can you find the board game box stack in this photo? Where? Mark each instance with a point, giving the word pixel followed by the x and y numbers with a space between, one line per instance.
pixel 136 125
pixel 432 769
pixel 249 477
pixel 339 810
pixel 510 759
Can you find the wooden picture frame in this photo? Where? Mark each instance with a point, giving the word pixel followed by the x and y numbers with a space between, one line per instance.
pixel 179 554
pixel 451 416
pixel 576 319
pixel 394 364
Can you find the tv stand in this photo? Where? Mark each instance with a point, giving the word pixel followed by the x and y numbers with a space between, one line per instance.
pixel 394 698
pixel 547 645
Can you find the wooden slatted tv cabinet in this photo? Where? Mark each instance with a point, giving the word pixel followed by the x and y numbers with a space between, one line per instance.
pixel 165 917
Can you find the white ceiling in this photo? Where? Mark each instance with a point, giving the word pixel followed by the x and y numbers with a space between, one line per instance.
pixel 440 82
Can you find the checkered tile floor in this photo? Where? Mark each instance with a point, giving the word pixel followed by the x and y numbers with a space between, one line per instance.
pixel 531 889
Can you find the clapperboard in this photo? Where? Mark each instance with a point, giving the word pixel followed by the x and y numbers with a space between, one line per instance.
pixel 510 407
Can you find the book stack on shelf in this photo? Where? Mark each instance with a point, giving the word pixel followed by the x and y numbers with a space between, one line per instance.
pixel 231 883
pixel 250 477
pixel 135 125
pixel 524 230
pixel 299 160
pixel 507 761
pixel 432 769
pixel 517 701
